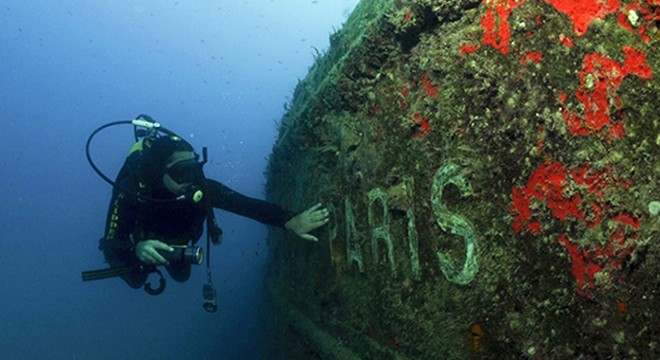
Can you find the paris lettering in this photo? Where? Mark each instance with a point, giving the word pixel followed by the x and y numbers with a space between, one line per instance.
pixel 380 239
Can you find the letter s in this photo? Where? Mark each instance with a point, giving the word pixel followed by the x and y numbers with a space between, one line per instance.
pixel 451 174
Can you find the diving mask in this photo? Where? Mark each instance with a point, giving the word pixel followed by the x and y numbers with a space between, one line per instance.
pixel 185 179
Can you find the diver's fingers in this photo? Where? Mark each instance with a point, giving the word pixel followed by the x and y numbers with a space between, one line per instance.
pixel 142 255
pixel 316 212
pixel 309 237
pixel 148 258
pixel 321 215
pixel 161 246
pixel 313 208
pixel 157 258
pixel 319 222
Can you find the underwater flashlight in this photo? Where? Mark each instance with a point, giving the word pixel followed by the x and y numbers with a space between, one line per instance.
pixel 193 255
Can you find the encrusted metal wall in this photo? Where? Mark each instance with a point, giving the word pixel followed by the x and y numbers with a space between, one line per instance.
pixel 492 170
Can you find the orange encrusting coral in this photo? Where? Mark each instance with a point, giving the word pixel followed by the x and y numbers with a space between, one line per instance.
pixel 583 12
pixel 646 14
pixel 600 78
pixel 531 56
pixel 495 23
pixel 549 183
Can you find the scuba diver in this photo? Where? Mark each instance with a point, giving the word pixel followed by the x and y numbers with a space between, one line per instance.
pixel 160 202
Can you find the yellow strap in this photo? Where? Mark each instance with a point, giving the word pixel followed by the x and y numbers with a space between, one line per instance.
pixel 136 147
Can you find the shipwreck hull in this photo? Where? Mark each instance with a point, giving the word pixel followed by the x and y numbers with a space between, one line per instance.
pixel 492 170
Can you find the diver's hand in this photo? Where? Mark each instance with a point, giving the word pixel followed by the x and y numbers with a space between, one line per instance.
pixel 147 252
pixel 307 221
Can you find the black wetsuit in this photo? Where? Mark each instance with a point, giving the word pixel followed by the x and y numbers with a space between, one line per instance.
pixel 131 220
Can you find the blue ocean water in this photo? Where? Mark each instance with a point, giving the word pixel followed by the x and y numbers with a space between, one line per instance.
pixel 218 73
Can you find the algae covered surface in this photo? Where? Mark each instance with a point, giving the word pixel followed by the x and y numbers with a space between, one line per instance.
pixel 492 170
